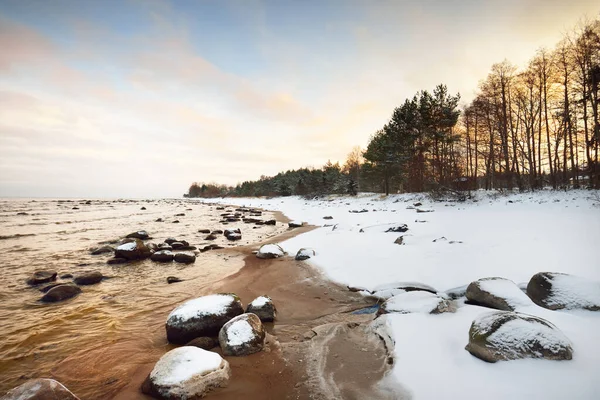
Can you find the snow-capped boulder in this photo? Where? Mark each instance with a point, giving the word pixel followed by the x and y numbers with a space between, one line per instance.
pixel 88 278
pixel 162 256
pixel 203 316
pixel 498 293
pixel 557 291
pixel 39 277
pixel 505 335
pixel 263 307
pixel 184 258
pixel 187 372
pixel 142 235
pixel 40 389
pixel 385 291
pixel 60 293
pixel 270 251
pixel 415 302
pixel 132 250
pixel 304 254
pixel 242 335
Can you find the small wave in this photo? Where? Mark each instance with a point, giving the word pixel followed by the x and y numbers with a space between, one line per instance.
pixel 16 236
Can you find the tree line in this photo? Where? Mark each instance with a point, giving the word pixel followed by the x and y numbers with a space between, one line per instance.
pixel 526 128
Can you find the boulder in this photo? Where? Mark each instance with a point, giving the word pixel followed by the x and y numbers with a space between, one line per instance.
pixel 204 342
pixel 60 293
pixel 415 302
pixel 184 258
pixel 162 256
pixel 40 389
pixel 243 335
pixel 88 278
pixel 203 230
pixel 385 291
pixel 164 246
pixel 557 291
pixel 270 251
pixel 186 372
pixel 233 234
pixel 304 254
pixel 134 250
pixel 179 244
pixel 295 224
pixel 270 222
pixel 264 308
pixel 102 250
pixel 498 293
pixel 39 277
pixel 142 235
pixel 505 335
pixel 203 316
pixel 170 241
pixel 173 279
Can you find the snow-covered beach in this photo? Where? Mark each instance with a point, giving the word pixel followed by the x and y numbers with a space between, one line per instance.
pixel 451 244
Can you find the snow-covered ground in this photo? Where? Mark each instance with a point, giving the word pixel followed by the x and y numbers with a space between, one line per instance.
pixel 511 236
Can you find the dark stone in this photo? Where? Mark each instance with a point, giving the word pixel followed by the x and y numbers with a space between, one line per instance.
pixel 176 221
pixel 66 276
pixel 173 279
pixel 204 231
pixel 39 277
pixel 159 220
pixel 398 229
pixel 270 222
pixel 304 254
pixel 88 278
pixel 142 235
pixel 217 232
pixel 180 215
pixel 184 258
pixel 116 260
pixel 265 310
pixel 212 236
pixel 204 342
pixel 135 250
pixel 328 217
pixel 143 208
pixel 162 256
pixel 50 286
pixel 60 293
pixel 170 240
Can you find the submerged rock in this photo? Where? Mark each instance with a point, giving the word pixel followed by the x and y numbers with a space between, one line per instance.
pixel 203 316
pixel 88 278
pixel 557 291
pixel 270 251
pixel 60 293
pixel 304 254
pixel 134 250
pixel 264 308
pixel 39 277
pixel 415 302
pixel 243 335
pixel 40 389
pixel 498 293
pixel 504 335
pixel 187 373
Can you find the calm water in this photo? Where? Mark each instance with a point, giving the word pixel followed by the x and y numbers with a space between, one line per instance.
pixel 94 341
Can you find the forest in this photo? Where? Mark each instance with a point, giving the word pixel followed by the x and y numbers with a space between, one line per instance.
pixel 527 128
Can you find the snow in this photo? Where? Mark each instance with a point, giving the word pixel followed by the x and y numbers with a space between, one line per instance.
pixel 183 363
pixel 239 331
pixel 513 236
pixel 260 301
pixel 214 304
pixel 574 292
pixel 127 246
pixel 413 302
pixel 507 290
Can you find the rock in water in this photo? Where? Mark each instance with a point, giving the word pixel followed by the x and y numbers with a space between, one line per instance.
pixel 142 235
pixel 184 258
pixel 60 293
pixel 270 251
pixel 204 342
pixel 305 254
pixel 40 389
pixel 162 256
pixel 187 373
pixel 39 277
pixel 498 293
pixel 203 316
pixel 264 308
pixel 415 302
pixel 88 278
pixel 242 335
pixel 134 250
pixel 505 335
pixel 557 291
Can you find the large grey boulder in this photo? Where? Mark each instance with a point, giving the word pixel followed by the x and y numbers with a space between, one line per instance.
pixel 203 316
pixel 187 372
pixel 242 335
pixel 498 293
pixel 132 250
pixel 40 389
pixel 505 335
pixel 557 291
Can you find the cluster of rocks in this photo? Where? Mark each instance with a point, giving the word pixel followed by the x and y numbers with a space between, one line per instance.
pixel 504 334
pixel 58 291
pixel 270 251
pixel 200 325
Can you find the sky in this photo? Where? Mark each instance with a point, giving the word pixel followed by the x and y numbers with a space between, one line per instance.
pixel 140 98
